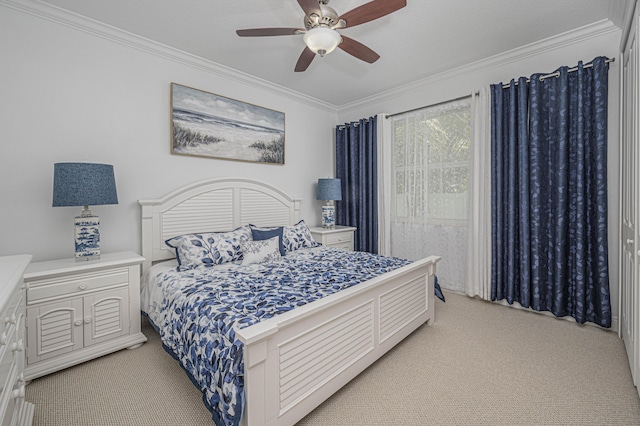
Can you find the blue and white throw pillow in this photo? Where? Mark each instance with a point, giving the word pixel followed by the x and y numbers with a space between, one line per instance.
pixel 266 233
pixel 209 249
pixel 297 237
pixel 260 251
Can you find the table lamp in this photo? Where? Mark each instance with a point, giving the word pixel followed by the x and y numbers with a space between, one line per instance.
pixel 84 184
pixel 329 190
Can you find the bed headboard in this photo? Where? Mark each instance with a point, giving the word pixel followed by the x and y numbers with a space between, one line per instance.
pixel 213 205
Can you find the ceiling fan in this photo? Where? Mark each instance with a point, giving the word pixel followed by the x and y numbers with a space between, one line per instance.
pixel 321 23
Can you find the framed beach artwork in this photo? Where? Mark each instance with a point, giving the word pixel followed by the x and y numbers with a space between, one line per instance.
pixel 204 124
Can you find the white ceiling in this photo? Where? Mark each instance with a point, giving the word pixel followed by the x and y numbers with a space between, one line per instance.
pixel 424 38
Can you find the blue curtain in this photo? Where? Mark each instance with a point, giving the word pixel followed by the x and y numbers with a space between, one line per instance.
pixel 356 166
pixel 549 193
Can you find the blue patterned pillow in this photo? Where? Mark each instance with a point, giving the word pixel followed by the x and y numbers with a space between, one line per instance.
pixel 209 249
pixel 266 233
pixel 260 251
pixel 297 237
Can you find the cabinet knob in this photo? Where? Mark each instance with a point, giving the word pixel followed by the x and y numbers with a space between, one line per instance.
pixel 87 320
pixel 77 322
pixel 83 286
pixel 629 241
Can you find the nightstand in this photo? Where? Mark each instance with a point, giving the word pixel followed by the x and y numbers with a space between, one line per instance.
pixel 80 310
pixel 338 236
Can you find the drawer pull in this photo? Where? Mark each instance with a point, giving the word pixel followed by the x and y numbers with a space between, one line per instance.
pixel 83 286
pixel 11 320
pixel 19 393
pixel 77 322
pixel 87 320
pixel 18 347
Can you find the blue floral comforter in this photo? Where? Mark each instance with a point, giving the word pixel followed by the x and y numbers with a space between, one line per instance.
pixel 197 312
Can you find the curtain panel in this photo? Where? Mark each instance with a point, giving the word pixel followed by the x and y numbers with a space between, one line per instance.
pixel 357 167
pixel 429 186
pixel 549 193
pixel 478 283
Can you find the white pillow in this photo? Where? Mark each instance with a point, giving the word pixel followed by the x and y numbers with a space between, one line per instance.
pixel 260 251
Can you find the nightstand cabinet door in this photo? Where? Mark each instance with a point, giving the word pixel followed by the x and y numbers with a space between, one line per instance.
pixel 54 329
pixel 106 316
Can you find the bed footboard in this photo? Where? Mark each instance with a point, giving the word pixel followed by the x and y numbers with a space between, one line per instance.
pixel 295 361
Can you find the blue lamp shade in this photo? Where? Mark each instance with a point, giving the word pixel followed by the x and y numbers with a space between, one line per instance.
pixel 329 189
pixel 84 184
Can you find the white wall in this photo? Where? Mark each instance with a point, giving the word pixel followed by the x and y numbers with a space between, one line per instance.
pixel 600 39
pixel 69 93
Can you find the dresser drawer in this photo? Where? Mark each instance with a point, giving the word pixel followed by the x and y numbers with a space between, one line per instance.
pixel 7 397
pixel 75 284
pixel 339 238
pixel 9 318
pixel 6 363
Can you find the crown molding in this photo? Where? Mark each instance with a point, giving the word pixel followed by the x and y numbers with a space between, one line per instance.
pixel 622 14
pixel 568 38
pixel 99 29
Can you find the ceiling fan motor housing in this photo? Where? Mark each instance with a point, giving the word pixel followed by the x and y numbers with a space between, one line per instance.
pixel 329 18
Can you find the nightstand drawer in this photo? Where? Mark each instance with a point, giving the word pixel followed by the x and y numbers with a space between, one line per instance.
pixel 344 246
pixel 72 284
pixel 343 237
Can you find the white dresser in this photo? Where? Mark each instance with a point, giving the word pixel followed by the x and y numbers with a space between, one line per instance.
pixel 337 236
pixel 14 410
pixel 80 310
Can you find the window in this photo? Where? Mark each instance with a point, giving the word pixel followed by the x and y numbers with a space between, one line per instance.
pixel 430 164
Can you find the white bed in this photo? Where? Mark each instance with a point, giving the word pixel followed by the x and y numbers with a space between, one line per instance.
pixel 387 303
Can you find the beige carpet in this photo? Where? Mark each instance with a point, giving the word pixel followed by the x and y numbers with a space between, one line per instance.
pixel 480 364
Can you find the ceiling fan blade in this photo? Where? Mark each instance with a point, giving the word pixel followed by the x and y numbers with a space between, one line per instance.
pixel 358 50
pixel 373 10
pixel 261 32
pixel 310 7
pixel 305 60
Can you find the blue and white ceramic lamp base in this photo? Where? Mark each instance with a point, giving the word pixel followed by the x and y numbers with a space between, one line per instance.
pixel 87 233
pixel 328 216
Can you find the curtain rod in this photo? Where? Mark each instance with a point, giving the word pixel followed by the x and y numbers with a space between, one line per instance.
pixel 428 106
pixel 557 73
pixel 355 124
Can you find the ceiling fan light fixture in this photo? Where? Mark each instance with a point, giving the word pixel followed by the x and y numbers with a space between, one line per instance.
pixel 322 40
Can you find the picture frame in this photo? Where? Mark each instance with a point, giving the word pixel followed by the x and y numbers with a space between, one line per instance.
pixel 207 125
